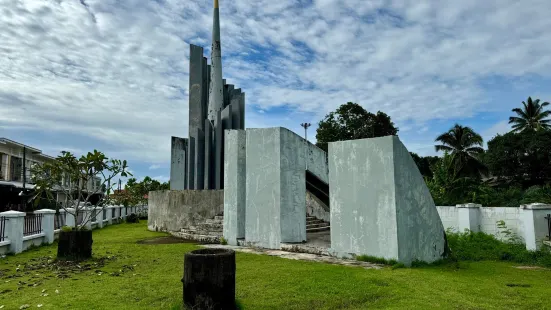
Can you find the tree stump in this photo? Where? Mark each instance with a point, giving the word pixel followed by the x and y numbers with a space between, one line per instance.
pixel 74 245
pixel 209 279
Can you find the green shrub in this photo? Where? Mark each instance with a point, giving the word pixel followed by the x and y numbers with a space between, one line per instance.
pixel 132 218
pixel 223 241
pixel 477 246
pixel 376 260
pixel 66 228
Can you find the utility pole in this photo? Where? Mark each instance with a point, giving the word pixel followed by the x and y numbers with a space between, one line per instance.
pixel 305 126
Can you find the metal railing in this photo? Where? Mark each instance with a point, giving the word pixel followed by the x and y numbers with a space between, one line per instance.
pixel 33 224
pixel 59 220
pixel 3 228
pixel 113 212
pixel 104 214
pixel 94 216
pixel 548 218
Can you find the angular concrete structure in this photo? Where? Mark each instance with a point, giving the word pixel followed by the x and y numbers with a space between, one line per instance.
pixel 380 204
pixel 178 163
pixel 234 185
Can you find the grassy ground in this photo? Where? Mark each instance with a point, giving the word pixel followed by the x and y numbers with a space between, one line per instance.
pixel 138 276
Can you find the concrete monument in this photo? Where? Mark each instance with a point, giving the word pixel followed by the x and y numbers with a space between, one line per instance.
pixel 214 106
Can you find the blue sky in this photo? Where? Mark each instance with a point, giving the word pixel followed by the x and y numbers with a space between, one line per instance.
pixel 112 74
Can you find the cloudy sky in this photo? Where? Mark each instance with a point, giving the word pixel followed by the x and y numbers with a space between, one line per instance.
pixel 113 74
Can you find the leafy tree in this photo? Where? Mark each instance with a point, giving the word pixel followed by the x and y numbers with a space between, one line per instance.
pixel 465 147
pixel 79 179
pixel 424 164
pixel 351 121
pixel 532 116
pixel 523 157
pixel 136 192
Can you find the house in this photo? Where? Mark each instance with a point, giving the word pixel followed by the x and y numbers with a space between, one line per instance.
pixel 16 187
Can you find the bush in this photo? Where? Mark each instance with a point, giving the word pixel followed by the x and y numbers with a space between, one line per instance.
pixel 132 218
pixel 477 246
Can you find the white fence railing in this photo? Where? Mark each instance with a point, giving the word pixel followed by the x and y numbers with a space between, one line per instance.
pixel 21 231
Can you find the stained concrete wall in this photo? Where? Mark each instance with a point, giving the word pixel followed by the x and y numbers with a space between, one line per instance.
pixel 234 185
pixel 174 210
pixel 380 204
pixel 317 162
pixel 178 163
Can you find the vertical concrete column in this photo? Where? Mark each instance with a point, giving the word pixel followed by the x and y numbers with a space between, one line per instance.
pixel 468 217
pixel 234 185
pixel 99 216
pixel 47 224
pixel 178 163
pixel 124 212
pixel 70 217
pixel 14 229
pixel 86 216
pixel 535 224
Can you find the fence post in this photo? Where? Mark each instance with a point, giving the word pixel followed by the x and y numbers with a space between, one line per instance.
pixel 99 216
pixel 535 224
pixel 123 212
pixel 70 219
pixel 15 221
pixel 468 217
pixel 47 224
pixel 87 217
pixel 109 210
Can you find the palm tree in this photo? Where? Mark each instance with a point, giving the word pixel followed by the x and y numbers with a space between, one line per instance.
pixel 531 117
pixel 465 146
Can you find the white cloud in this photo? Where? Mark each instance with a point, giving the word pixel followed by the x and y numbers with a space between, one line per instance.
pixel 154 167
pixel 116 71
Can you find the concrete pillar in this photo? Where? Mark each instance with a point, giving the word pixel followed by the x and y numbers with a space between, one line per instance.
pixel 535 224
pixel 86 217
pixel 218 150
pixel 99 216
pixel 109 210
pixel 234 185
pixel 70 217
pixel 178 163
pixel 47 224
pixel 14 229
pixel 468 217
pixel 208 170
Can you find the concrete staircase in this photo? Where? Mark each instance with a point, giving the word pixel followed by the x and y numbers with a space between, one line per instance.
pixel 208 232
pixel 314 224
pixel 211 230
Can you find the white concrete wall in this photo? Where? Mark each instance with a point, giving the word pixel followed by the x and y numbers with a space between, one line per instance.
pixel 448 216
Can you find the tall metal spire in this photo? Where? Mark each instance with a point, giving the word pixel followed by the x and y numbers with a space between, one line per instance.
pixel 216 91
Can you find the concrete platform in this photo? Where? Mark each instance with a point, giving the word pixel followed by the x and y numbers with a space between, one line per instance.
pixel 298 256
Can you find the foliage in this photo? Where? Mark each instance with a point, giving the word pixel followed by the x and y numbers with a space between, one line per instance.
pixel 223 241
pixel 79 179
pixel 465 147
pixel 520 157
pixel 532 116
pixel 132 218
pixel 135 193
pixel 351 121
pixel 477 246
pixel 424 163
pixel 376 260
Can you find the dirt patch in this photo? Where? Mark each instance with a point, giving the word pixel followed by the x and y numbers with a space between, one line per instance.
pixel 165 240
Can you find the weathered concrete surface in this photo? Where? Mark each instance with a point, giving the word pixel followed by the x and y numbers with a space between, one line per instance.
pixel 317 162
pixel 178 163
pixel 263 190
pixel 380 204
pixel 234 185
pixel 298 256
pixel 175 210
pixel 316 208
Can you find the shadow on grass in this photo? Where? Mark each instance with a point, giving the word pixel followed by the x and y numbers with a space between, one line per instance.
pixel 180 306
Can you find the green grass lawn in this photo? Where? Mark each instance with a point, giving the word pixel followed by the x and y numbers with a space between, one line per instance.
pixel 138 276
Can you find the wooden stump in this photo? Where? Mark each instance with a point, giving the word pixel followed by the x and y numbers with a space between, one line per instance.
pixel 74 245
pixel 209 279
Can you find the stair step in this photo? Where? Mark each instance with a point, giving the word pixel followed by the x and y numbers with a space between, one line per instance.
pixel 213 221
pixel 196 231
pixel 210 226
pixel 219 217
pixel 322 224
pixel 318 229
pixel 198 238
pixel 308 222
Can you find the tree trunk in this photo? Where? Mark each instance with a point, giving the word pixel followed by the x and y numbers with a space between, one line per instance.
pixel 74 245
pixel 209 279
